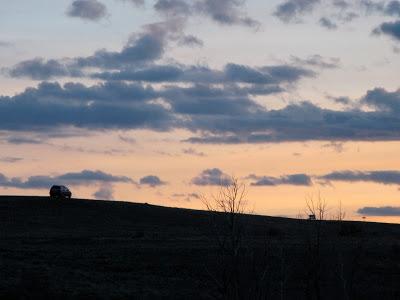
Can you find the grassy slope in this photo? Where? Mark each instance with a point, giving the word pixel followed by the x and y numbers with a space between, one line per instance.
pixel 102 249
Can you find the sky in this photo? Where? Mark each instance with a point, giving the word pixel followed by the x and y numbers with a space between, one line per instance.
pixel 161 101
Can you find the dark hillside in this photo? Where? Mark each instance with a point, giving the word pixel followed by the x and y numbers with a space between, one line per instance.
pixel 86 249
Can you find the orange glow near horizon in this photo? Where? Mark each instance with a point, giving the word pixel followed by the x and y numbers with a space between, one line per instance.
pixel 164 157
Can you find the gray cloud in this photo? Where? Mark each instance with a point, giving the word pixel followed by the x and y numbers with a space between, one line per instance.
pixel 152 181
pixel 336 146
pixel 191 151
pixel 211 177
pixel 85 177
pixel 105 192
pixel 40 69
pixel 19 140
pixel 224 12
pixel 327 23
pixel 334 14
pixel 292 10
pixel 143 48
pixel 391 8
pixel 204 100
pixel 341 4
pixel 127 139
pixel 5 44
pixel 173 7
pixel 134 2
pixel 110 105
pixel 317 61
pixel 225 113
pixel 158 73
pixel 231 73
pixel 10 159
pixel 305 121
pixel 191 41
pixel 293 179
pixel 92 10
pixel 382 177
pixel 186 197
pixel 382 100
pixel 391 29
pixel 384 211
pixel 342 100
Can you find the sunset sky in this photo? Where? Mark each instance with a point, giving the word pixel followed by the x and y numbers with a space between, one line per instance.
pixel 159 101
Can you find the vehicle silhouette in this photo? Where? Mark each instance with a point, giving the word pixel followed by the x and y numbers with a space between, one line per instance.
pixel 58 192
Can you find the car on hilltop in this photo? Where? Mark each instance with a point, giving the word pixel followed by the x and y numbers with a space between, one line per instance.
pixel 59 192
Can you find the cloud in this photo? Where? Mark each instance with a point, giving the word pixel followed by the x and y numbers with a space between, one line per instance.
pixel 335 12
pixel 85 177
pixel 341 4
pixel 186 197
pixel 127 139
pixel 173 8
pixel 382 177
pixel 342 100
pixel 292 10
pixel 152 181
pixel 19 140
pixel 194 195
pixel 287 73
pixel 211 177
pixel 382 100
pixel 327 23
pixel 224 12
pixel 143 48
pixel 222 111
pixel 231 73
pixel 134 2
pixel 317 61
pixel 91 10
pixel 191 151
pixel 105 192
pixel 108 105
pixel 158 73
pixel 305 121
pixel 5 44
pixel 391 29
pixel 204 100
pixel 384 211
pixel 293 179
pixel 336 146
pixel 391 8
pixel 10 159
pixel 39 69
pixel 191 41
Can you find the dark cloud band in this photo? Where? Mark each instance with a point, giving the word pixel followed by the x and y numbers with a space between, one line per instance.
pixel 85 177
pixel 384 211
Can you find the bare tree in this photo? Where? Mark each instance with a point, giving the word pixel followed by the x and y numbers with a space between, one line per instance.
pixel 340 213
pixel 230 200
pixel 240 271
pixel 317 206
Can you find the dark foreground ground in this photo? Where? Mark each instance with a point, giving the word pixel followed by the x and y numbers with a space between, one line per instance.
pixel 84 249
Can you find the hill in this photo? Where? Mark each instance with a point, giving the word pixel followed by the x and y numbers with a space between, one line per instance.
pixel 87 249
